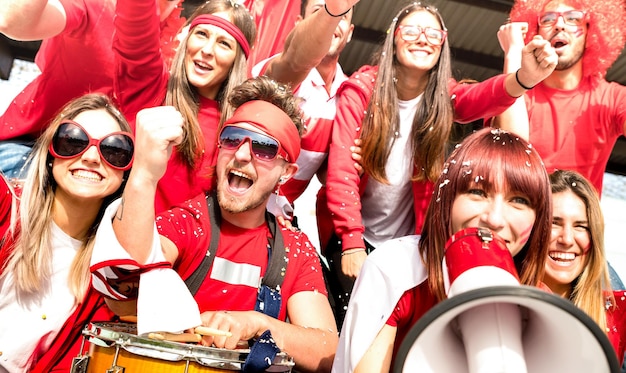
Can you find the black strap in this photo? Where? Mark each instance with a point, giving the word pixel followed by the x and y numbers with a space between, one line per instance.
pixel 277 266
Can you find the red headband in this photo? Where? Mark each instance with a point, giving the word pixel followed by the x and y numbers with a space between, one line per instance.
pixel 234 31
pixel 271 120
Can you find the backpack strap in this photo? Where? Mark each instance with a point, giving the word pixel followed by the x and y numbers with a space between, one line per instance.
pixel 268 300
pixel 277 262
pixel 195 280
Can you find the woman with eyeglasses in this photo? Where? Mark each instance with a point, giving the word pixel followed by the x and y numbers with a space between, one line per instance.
pixel 402 109
pixel 576 267
pixel 210 61
pixel 79 164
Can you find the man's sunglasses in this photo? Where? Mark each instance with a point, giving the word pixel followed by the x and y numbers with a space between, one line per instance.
pixel 263 147
pixel 570 17
pixel 412 33
pixel 71 140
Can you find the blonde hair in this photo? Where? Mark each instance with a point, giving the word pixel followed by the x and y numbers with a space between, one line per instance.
pixel 31 249
pixel 592 287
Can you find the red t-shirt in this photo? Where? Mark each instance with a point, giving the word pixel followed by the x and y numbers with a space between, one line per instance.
pixel 241 258
pixel 86 65
pixel 616 324
pixel 413 304
pixel 577 129
pixel 77 61
pixel 6 201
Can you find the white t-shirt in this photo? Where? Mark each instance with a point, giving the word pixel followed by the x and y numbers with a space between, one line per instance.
pixel 387 209
pixel 33 323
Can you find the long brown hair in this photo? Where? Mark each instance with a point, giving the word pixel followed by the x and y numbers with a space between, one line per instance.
pixel 433 118
pixel 485 158
pixel 589 287
pixel 186 99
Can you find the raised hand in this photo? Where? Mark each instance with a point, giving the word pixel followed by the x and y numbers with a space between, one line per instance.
pixel 158 130
pixel 511 36
pixel 337 7
pixel 538 61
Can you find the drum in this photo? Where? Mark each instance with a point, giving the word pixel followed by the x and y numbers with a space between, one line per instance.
pixel 115 347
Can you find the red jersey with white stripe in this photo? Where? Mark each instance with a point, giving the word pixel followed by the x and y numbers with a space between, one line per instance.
pixel 240 261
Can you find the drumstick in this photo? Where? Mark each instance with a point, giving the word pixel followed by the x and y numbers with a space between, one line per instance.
pixel 205 330
pixel 129 318
pixel 174 337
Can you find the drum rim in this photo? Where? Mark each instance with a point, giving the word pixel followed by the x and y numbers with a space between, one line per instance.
pixel 107 334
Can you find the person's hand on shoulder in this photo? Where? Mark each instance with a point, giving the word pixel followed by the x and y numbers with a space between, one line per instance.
pixel 356 156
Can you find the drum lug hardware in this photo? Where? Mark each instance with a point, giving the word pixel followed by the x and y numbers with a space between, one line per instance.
pixel 80 362
pixel 116 368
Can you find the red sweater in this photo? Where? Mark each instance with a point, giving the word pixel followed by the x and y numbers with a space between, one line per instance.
pixel 344 186
pixel 141 82
pixel 616 324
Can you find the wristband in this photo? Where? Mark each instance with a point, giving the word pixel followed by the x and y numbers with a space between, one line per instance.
pixel 336 15
pixel 351 251
pixel 520 83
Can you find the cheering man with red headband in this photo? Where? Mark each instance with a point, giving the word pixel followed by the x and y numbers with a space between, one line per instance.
pixel 248 275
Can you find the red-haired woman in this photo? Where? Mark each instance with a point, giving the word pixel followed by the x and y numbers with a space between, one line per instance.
pixel 493 180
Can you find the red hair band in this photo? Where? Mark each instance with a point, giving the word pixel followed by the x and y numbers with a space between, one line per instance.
pixel 270 119
pixel 234 31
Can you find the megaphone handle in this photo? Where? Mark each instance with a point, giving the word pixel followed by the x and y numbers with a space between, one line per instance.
pixel 492 337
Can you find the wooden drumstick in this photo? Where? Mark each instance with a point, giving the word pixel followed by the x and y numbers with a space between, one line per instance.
pixel 129 318
pixel 205 330
pixel 175 337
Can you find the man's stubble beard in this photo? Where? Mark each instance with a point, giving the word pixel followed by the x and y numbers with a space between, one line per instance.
pixel 230 204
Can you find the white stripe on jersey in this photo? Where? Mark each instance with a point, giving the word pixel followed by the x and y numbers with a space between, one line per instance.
pixel 236 273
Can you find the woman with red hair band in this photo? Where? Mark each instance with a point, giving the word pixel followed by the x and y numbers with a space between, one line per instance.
pixel 493 180
pixel 210 61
